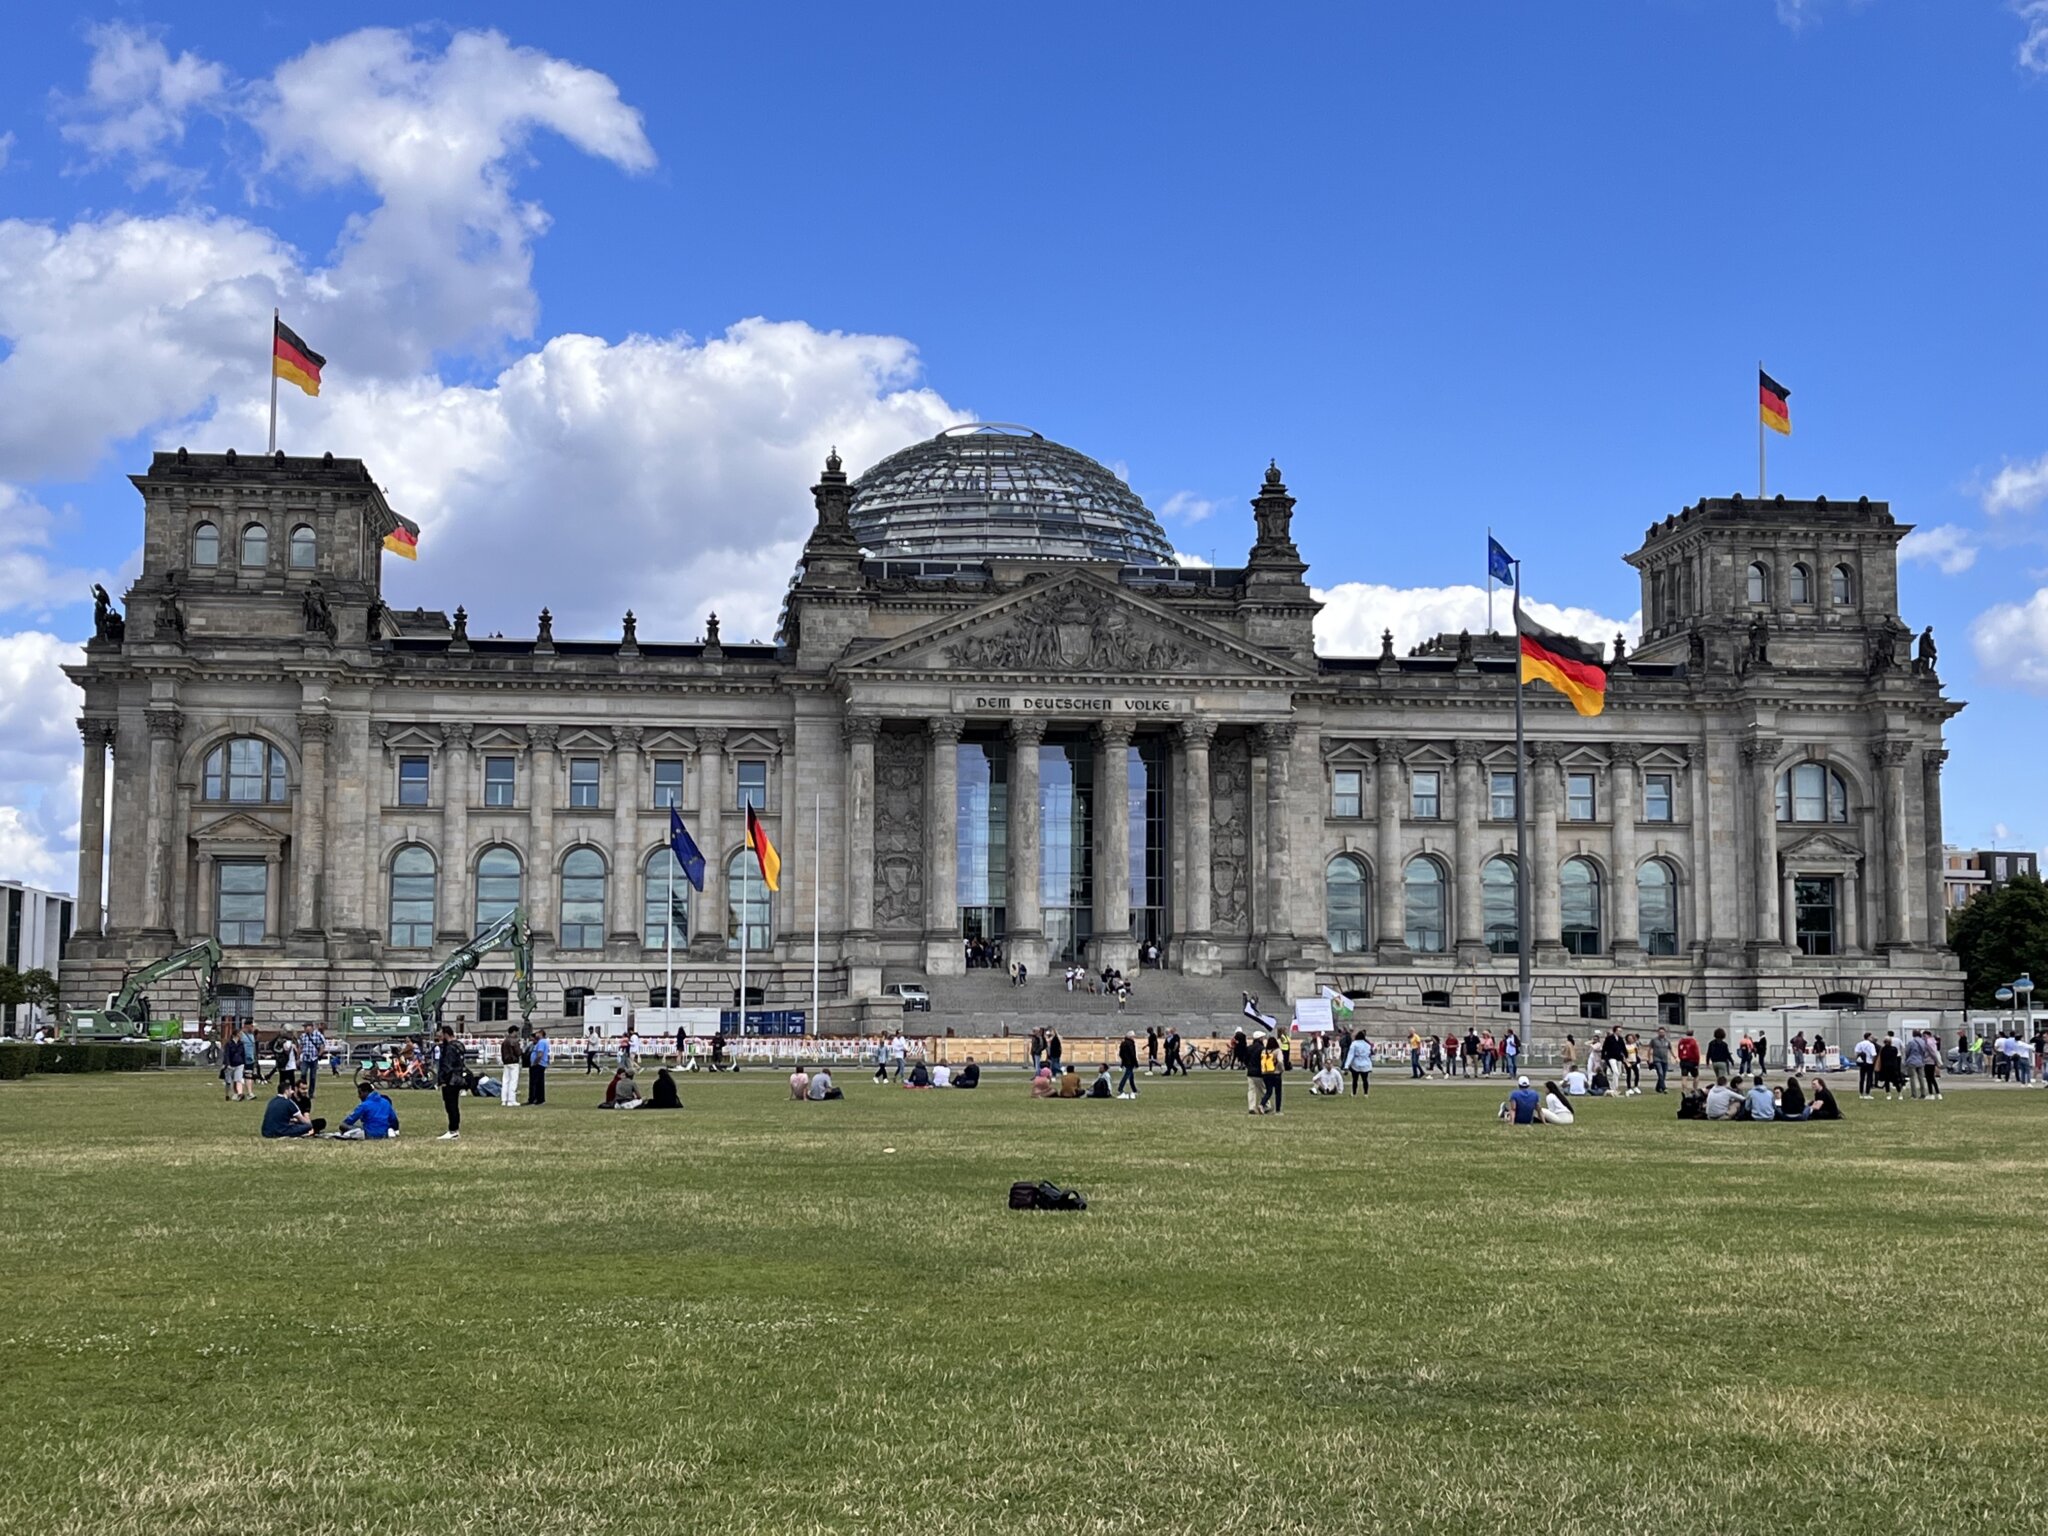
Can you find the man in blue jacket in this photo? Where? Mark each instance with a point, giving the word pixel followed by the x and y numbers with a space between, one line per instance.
pixel 373 1119
pixel 539 1056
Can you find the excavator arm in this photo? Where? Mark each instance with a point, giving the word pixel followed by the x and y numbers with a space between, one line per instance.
pixel 508 932
pixel 203 957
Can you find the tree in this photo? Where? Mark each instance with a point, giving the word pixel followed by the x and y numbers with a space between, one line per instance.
pixel 2001 935
pixel 39 990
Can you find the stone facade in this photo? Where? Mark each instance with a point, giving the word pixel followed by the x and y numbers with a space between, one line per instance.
pixel 339 790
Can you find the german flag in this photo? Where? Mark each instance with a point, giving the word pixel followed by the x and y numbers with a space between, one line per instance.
pixel 764 851
pixel 1773 400
pixel 292 360
pixel 1562 662
pixel 404 540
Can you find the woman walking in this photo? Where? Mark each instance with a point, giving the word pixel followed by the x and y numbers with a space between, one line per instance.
pixel 1270 1066
pixel 1358 1062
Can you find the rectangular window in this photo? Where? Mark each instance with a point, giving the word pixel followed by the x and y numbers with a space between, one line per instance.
pixel 241 894
pixel 1813 897
pixel 1578 797
pixel 501 778
pixel 493 1005
pixel 1502 787
pixel 1425 795
pixel 1347 792
pixel 1656 797
pixel 412 781
pixel 753 783
pixel 583 783
pixel 668 782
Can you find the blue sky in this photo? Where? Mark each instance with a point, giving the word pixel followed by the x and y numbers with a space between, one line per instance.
pixel 1454 265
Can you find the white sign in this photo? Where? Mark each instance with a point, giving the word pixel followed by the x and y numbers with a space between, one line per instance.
pixel 1312 1016
pixel 1040 702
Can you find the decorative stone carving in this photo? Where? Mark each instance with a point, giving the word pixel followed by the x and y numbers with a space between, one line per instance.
pixel 545 640
pixel 316 727
pixel 860 728
pixel 629 636
pixel 710 738
pixel 714 648
pixel 1465 751
pixel 165 722
pixel 1276 736
pixel 318 618
pixel 899 830
pixel 461 625
pixel 1924 661
pixel 107 624
pixel 542 738
pixel 946 729
pixel 1197 733
pixel 1230 842
pixel 101 733
pixel 627 737
pixel 170 614
pixel 457 734
pixel 1072 630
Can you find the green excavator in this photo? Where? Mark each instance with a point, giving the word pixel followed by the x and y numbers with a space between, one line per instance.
pixel 420 1012
pixel 127 1012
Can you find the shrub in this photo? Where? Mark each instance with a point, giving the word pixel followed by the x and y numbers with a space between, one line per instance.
pixel 18 1061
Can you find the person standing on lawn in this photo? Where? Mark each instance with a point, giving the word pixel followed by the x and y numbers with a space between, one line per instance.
pixel 537 1058
pixel 1151 1049
pixel 234 1067
pixel 1719 1057
pixel 1891 1071
pixel 1358 1063
pixel 312 1046
pixel 1660 1057
pixel 1271 1068
pixel 1510 1051
pixel 510 1049
pixel 450 1072
pixel 1127 1059
pixel 1414 1056
pixel 1173 1059
pixel 1689 1058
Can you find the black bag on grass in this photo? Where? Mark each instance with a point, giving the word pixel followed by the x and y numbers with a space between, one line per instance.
pixel 1045 1196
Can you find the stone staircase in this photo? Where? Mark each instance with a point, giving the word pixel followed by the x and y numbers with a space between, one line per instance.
pixel 983 1003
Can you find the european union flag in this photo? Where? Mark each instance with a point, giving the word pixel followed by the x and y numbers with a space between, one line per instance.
pixel 685 849
pixel 1500 565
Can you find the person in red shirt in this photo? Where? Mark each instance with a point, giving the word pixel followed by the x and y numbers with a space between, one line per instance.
pixel 1689 1057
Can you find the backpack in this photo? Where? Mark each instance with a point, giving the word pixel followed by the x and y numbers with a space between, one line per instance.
pixel 1045 1196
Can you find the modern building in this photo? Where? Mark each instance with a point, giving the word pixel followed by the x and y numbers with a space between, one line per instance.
pixel 996 707
pixel 35 925
pixel 1967 871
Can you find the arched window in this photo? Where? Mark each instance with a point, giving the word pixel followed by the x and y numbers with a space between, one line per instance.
pixel 1497 907
pixel 1344 887
pixel 412 898
pixel 245 771
pixel 1841 587
pixel 302 548
pixel 1579 887
pixel 1423 906
pixel 1657 908
pixel 582 900
pixel 746 891
pixel 1802 584
pixel 1759 582
pixel 206 545
pixel 1812 792
pixel 500 885
pixel 664 880
pixel 256 545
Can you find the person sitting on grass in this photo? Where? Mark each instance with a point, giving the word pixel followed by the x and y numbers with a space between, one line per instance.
pixel 920 1076
pixel 1823 1106
pixel 1601 1084
pixel 1575 1084
pixel 1042 1085
pixel 1555 1110
pixel 665 1094
pixel 1692 1104
pixel 822 1086
pixel 1791 1101
pixel 375 1118
pixel 1757 1103
pixel 1070 1082
pixel 1327 1082
pixel 620 1092
pixel 942 1076
pixel 1100 1089
pixel 1522 1105
pixel 969 1076
pixel 1723 1100
pixel 799 1084
pixel 285 1116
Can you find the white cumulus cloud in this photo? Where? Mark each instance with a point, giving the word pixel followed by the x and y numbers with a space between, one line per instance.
pixel 1356 612
pixel 1944 546
pixel 138 95
pixel 1187 507
pixel 2033 51
pixel 2011 641
pixel 39 759
pixel 2018 487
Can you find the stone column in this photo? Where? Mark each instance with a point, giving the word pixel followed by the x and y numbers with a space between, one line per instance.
pixel 273 896
pixel 540 816
pixel 625 934
pixel 1545 896
pixel 1471 927
pixel 860 733
pixel 1113 943
pixel 1196 811
pixel 1890 756
pixel 1277 742
pixel 1852 914
pixel 943 955
pixel 1024 919
pixel 164 727
pixel 1930 809
pixel 1788 913
pixel 708 915
pixel 309 829
pixel 98 737
pixel 453 884
pixel 1389 910
pixel 1622 758
pixel 1759 757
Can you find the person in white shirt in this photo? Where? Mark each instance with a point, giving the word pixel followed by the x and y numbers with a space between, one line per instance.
pixel 1723 1099
pixel 1575 1083
pixel 1866 1066
pixel 1326 1082
pixel 1555 1110
pixel 942 1076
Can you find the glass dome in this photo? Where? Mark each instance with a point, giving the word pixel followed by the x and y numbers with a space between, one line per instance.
pixel 989 490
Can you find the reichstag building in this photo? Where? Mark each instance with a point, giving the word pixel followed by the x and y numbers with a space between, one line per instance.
pixel 1016 718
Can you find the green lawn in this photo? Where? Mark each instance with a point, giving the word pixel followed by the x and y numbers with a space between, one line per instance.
pixel 759 1316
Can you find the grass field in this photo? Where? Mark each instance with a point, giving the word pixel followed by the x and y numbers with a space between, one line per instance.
pixel 759 1316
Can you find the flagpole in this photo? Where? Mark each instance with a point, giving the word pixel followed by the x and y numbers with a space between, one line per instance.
pixel 1522 937
pixel 668 990
pixel 817 865
pixel 1489 591
pixel 272 365
pixel 746 910
pixel 1759 440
